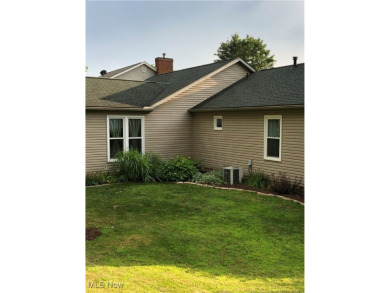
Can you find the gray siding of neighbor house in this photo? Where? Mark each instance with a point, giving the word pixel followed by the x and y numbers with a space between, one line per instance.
pixel 137 74
pixel 168 129
pixel 169 126
pixel 242 138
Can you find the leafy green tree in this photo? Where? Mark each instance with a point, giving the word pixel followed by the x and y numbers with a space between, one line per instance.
pixel 251 50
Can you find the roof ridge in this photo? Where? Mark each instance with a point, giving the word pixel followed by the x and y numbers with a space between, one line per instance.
pixel 291 65
pixel 108 78
pixel 194 67
pixel 120 79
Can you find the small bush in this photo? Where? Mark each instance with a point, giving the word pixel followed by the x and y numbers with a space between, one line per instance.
pixel 258 180
pixel 198 164
pixel 98 178
pixel 133 166
pixel 179 169
pixel 281 184
pixel 212 177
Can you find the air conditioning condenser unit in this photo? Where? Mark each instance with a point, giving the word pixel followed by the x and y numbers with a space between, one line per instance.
pixel 233 175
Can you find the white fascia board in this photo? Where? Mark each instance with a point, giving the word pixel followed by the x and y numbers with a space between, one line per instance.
pixel 246 65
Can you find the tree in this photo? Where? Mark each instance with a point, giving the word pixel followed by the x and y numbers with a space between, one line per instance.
pixel 251 50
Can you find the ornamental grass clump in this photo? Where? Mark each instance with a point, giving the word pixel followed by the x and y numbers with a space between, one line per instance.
pixel 258 180
pixel 132 166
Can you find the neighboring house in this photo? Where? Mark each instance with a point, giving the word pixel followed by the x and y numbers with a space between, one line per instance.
pixel 223 114
pixel 138 71
pixel 141 70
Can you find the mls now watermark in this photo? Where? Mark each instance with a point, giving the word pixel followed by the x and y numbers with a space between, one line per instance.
pixel 102 285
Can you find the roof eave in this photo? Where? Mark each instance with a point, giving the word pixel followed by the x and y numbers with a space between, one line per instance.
pixel 248 108
pixel 118 109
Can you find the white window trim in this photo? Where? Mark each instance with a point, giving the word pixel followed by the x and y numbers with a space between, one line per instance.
pixel 266 118
pixel 215 122
pixel 125 133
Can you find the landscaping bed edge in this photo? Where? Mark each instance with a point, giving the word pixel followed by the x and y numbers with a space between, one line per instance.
pixel 239 189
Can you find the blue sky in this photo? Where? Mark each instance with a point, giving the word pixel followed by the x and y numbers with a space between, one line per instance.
pixel 120 33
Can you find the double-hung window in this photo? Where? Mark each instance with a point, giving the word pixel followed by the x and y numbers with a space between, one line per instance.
pixel 135 133
pixel 123 133
pixel 115 136
pixel 273 137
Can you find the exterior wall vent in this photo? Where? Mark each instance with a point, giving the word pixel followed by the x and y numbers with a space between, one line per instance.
pixel 233 175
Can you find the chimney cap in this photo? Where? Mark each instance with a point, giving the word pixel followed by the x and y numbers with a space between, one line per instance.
pixel 103 72
pixel 164 55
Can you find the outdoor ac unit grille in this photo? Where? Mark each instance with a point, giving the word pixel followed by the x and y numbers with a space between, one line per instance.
pixel 236 176
pixel 226 175
pixel 232 175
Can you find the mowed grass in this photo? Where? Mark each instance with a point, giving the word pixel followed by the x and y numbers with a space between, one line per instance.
pixel 187 238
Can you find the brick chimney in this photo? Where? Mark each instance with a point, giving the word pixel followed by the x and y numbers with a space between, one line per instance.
pixel 163 64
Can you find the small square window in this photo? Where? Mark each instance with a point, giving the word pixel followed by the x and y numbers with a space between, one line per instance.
pixel 218 121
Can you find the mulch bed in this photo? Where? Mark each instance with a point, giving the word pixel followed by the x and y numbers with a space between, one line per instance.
pixel 299 198
pixel 92 233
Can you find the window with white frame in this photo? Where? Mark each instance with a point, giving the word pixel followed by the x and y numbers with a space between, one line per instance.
pixel 218 122
pixel 123 133
pixel 273 137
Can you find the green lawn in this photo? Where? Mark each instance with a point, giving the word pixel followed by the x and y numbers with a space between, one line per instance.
pixel 188 238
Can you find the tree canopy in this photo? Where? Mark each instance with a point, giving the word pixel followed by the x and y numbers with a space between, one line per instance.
pixel 251 50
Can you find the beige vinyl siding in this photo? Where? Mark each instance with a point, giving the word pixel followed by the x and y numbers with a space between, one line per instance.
pixel 169 126
pixel 242 138
pixel 96 139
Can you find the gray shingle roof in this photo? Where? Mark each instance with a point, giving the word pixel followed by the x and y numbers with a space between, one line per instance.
pixel 98 88
pixel 272 87
pixel 161 86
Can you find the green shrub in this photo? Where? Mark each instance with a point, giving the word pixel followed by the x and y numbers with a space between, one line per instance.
pixel 179 169
pixel 99 178
pixel 198 164
pixel 132 166
pixel 212 177
pixel 281 184
pixel 258 180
